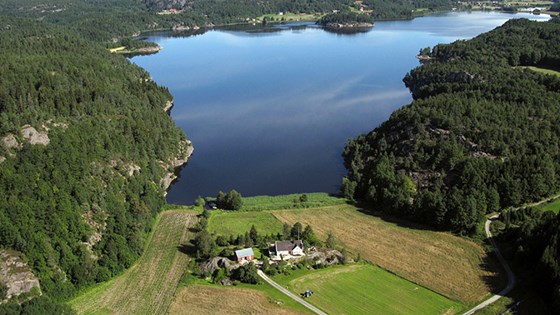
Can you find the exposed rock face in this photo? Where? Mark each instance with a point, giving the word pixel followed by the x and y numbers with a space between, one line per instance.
pixel 15 274
pixel 216 263
pixel 168 106
pixel 128 168
pixel 97 228
pixel 186 150
pixel 2 159
pixel 10 142
pixel 33 136
pixel 326 257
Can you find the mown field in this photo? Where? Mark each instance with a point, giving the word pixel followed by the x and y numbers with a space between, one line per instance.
pixel 313 200
pixel 542 70
pixel 450 265
pixel 149 286
pixel 206 299
pixel 233 223
pixel 367 289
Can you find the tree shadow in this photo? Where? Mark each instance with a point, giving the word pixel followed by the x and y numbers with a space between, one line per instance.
pixel 399 221
pixel 187 249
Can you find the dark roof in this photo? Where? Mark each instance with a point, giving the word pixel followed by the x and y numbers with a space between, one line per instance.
pixel 288 245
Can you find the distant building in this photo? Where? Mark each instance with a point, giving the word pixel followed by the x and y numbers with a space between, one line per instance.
pixel 245 254
pixel 285 248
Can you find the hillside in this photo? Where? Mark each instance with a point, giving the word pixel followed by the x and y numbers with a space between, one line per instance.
pixel 481 134
pixel 84 145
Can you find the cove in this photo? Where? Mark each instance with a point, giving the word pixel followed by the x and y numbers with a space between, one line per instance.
pixel 269 110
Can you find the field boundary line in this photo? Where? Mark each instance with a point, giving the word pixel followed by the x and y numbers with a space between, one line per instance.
pixel 290 294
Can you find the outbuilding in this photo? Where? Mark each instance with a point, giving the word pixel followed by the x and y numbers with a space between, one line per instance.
pixel 245 254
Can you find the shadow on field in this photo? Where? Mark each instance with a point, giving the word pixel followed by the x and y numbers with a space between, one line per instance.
pixel 496 279
pixel 187 249
pixel 367 209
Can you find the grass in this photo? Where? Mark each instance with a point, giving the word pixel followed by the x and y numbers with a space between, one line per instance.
pixel 148 287
pixel 455 267
pixel 228 223
pixel 208 299
pixel 542 70
pixel 553 206
pixel 259 203
pixel 367 289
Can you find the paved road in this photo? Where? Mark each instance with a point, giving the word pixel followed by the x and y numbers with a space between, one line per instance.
pixel 290 294
pixel 510 275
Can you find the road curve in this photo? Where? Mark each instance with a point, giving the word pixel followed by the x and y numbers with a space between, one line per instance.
pixel 510 275
pixel 290 294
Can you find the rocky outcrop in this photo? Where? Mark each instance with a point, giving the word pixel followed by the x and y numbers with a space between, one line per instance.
pixel 97 228
pixel 10 142
pixel 185 151
pixel 16 275
pixel 355 25
pixel 168 106
pixel 2 159
pixel 211 265
pixel 35 137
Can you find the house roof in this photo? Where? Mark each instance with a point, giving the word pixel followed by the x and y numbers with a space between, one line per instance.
pixel 288 245
pixel 244 252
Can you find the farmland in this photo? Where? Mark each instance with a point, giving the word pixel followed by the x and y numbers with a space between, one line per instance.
pixel 232 223
pixel 149 286
pixel 363 289
pixel 196 299
pixel 312 200
pixel 450 265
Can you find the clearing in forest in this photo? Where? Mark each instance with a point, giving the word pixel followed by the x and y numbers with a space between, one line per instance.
pixel 149 286
pixel 455 267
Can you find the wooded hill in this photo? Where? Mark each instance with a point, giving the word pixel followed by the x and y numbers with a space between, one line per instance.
pixel 78 199
pixel 481 134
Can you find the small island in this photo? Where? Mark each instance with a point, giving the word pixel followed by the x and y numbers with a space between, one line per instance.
pixel 346 20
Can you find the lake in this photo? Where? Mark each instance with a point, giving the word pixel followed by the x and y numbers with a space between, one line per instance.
pixel 269 111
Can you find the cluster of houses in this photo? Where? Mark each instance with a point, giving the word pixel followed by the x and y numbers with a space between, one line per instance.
pixel 282 250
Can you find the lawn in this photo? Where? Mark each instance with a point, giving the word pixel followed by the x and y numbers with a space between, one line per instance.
pixel 228 223
pixel 455 267
pixel 149 286
pixel 368 289
pixel 553 206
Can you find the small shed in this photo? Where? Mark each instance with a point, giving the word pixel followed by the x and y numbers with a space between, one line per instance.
pixel 244 254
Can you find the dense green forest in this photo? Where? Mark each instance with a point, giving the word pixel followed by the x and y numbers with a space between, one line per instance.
pixel 482 134
pixel 79 207
pixel 344 18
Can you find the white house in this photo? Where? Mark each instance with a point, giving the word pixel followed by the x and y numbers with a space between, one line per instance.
pixel 285 248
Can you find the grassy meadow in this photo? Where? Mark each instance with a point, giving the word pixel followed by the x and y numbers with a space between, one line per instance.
pixel 553 206
pixel 228 223
pixel 542 70
pixel 367 289
pixel 149 286
pixel 259 203
pixel 447 264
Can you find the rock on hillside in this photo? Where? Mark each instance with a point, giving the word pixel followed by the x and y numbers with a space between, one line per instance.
pixel 35 137
pixel 185 152
pixel 16 275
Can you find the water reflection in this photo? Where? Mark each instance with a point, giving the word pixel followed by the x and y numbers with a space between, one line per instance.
pixel 270 109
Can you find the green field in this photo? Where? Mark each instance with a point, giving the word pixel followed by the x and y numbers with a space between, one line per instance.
pixel 367 289
pixel 553 206
pixel 543 70
pixel 314 200
pixel 238 222
pixel 149 286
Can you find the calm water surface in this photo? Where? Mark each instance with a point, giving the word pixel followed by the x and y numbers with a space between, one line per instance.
pixel 270 112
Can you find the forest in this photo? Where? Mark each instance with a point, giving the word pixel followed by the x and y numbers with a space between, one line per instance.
pixel 481 135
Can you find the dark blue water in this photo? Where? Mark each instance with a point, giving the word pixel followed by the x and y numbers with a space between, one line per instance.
pixel 270 112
